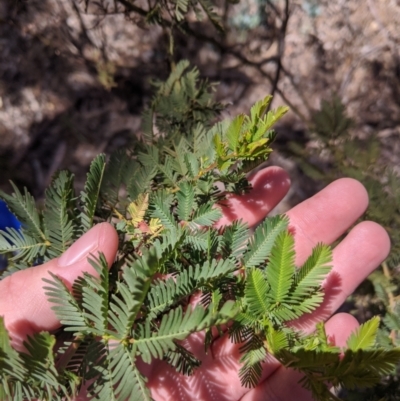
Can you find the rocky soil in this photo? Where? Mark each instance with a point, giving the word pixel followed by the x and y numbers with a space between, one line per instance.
pixel 73 83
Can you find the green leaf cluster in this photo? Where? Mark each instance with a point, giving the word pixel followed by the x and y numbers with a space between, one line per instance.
pixel 164 199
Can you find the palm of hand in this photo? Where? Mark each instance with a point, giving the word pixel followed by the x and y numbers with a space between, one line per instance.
pixel 323 218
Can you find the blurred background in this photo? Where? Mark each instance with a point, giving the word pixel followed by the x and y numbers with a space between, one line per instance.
pixel 75 78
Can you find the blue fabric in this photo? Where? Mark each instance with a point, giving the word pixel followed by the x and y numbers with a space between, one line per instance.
pixel 7 219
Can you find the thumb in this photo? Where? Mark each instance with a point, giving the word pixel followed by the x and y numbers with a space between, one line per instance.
pixel 23 302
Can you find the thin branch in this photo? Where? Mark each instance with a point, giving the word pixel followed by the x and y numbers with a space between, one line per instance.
pixel 281 50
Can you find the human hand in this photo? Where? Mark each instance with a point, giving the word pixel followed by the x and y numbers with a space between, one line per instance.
pixel 322 218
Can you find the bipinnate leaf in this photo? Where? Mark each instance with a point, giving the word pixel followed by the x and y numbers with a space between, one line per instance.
pixel 276 340
pixel 364 336
pixel 162 200
pixel 192 164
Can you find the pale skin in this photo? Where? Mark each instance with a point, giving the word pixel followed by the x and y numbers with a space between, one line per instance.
pixel 322 218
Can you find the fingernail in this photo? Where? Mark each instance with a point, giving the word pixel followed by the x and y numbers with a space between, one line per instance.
pixel 82 248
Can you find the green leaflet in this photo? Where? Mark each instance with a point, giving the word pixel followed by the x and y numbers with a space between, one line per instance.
pixel 365 336
pixel 22 246
pixel 58 214
pixel 118 377
pixel 90 194
pixel 11 364
pixel 205 215
pixel 66 307
pixel 313 271
pixel 186 202
pixel 280 269
pixel 263 240
pixel 176 325
pixel 256 293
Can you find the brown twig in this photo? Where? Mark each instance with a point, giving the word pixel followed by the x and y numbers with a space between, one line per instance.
pixel 281 50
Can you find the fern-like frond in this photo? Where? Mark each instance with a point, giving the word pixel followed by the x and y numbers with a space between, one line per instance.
pixel 138 208
pixel 215 19
pixel 276 340
pixel 186 202
pixel 251 371
pixel 21 245
pixel 365 336
pixel 40 364
pixel 364 367
pixel 182 360
pixel 23 207
pixel 165 294
pixel 140 178
pixel 91 193
pixel 126 303
pixel 169 173
pixel 263 240
pixel 307 359
pixel 65 306
pixel 95 296
pixel 116 175
pixel 118 378
pixel 160 208
pixel 205 216
pixel 281 268
pixel 235 239
pixel 311 274
pixel 12 367
pixel 256 293
pixel 198 240
pixel 192 165
pixel 57 218
pixel 176 325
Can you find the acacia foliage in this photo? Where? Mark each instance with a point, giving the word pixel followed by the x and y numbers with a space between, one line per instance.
pixel 163 201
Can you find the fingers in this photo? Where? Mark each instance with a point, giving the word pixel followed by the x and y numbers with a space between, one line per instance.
pixel 269 186
pixel 327 215
pixel 23 302
pixel 283 384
